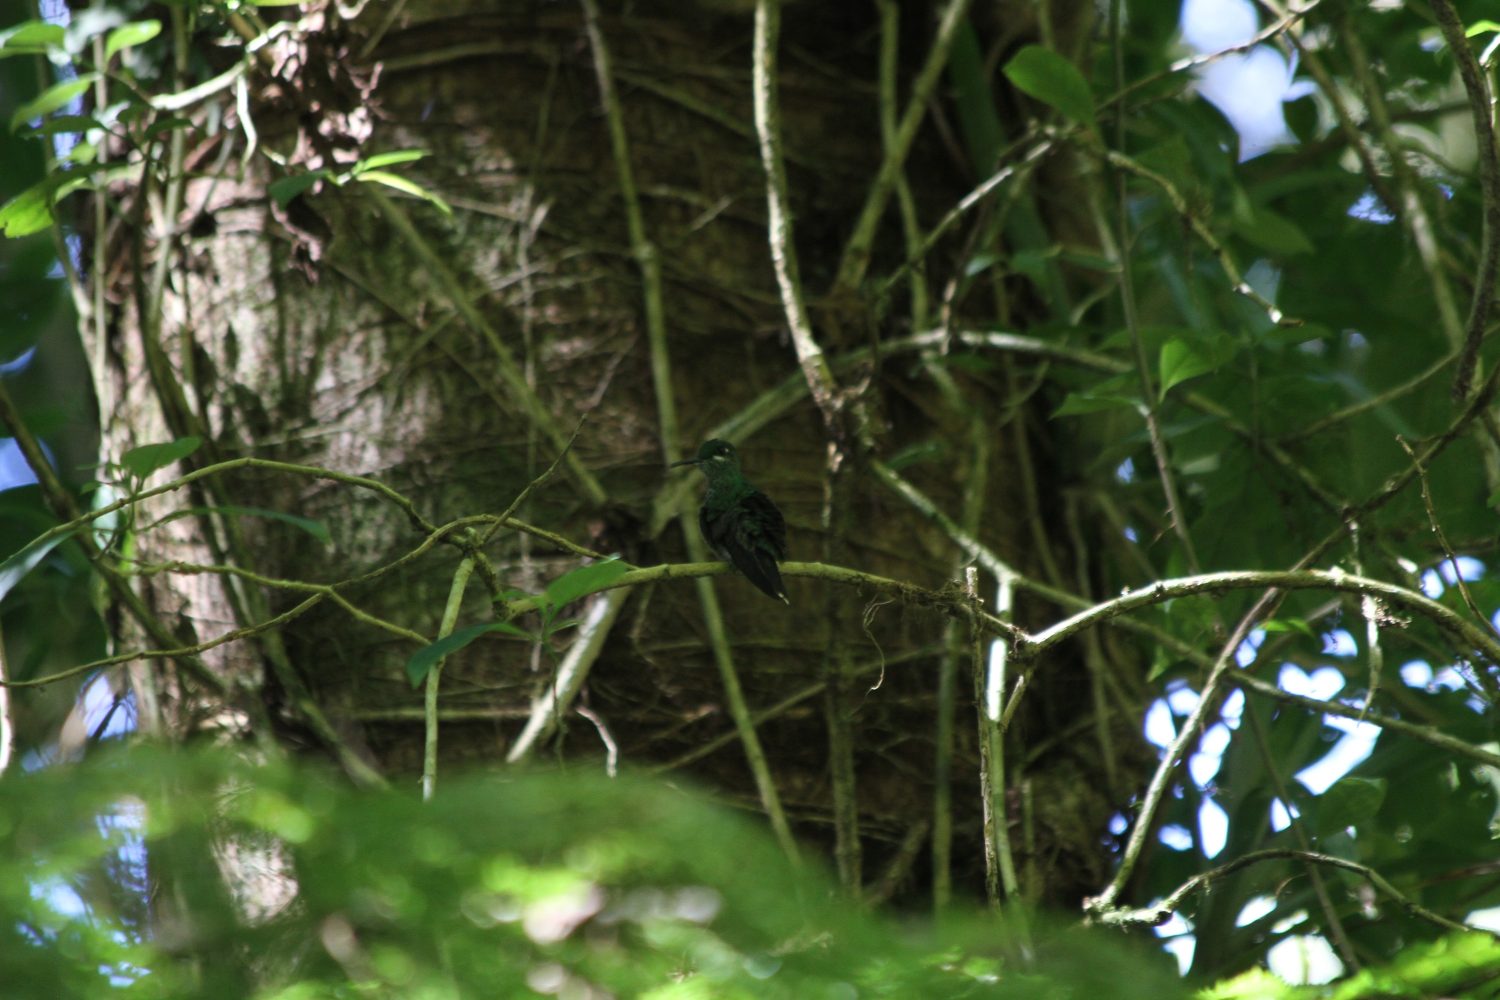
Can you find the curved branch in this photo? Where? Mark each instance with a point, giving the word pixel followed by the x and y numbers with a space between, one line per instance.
pixel 1307 579
pixel 1154 916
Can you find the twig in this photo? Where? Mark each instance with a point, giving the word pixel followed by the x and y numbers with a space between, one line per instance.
pixel 445 629
pixel 570 675
pixel 1425 734
pixel 1437 529
pixel 1154 916
pixel 1122 256
pixel 856 256
pixel 1477 89
pixel 1281 25
pixel 814 364
pixel 611 749
pixel 1305 579
pixel 1201 230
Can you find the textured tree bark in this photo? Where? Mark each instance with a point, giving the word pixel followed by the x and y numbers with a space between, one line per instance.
pixel 366 333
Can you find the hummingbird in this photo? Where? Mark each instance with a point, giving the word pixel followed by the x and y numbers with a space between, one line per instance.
pixel 738 521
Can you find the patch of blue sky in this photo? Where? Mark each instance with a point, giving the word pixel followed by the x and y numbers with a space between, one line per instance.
pixel 1339 643
pixel 1248 88
pixel 1419 674
pixel 1213 828
pixel 1176 837
pixel 1468 569
pixel 1245 655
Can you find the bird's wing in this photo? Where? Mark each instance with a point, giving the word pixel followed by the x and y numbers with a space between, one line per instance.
pixel 750 536
pixel 765 528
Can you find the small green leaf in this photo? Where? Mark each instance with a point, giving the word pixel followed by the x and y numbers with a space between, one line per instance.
pixel 1480 27
pixel 167 125
pixel 14 569
pixel 1270 230
pixel 285 190
pixel 147 458
pixel 1349 802
pixel 1181 361
pixel 425 659
pixel 388 159
pixel 405 186
pixel 1109 394
pixel 65 123
pixel 126 35
pixel 583 581
pixel 1298 625
pixel 981 262
pixel 31 38
pixel 917 452
pixel 1053 80
pixel 59 95
pixel 1078 403
pixel 28 212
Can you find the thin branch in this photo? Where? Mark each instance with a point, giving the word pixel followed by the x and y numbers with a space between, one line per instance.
pixel 1201 230
pixel 568 679
pixel 1120 238
pixel 1477 89
pixel 1306 579
pixel 814 364
pixel 1437 530
pixel 430 699
pixel 1430 735
pixel 1155 916
pixel 1281 25
pixel 856 257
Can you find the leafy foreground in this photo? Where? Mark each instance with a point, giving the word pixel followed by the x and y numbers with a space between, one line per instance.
pixel 269 881
pixel 280 882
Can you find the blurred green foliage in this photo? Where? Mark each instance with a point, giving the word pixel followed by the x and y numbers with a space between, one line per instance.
pixel 275 881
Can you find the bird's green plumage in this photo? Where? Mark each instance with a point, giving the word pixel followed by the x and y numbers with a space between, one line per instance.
pixel 738 521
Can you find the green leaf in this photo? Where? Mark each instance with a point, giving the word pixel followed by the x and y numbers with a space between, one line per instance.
pixel 425 659
pixel 31 38
pixel 65 123
pixel 1078 403
pixel 1270 230
pixel 1111 393
pixel 405 186
pixel 1053 80
pixel 14 569
pixel 1480 27
pixel 388 159
pixel 59 95
pixel 147 458
pixel 28 212
pixel 285 190
pixel 157 128
pixel 1180 361
pixel 1298 625
pixel 1349 802
pixel 583 581
pixel 130 34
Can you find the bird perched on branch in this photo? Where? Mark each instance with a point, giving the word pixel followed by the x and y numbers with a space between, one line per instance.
pixel 738 521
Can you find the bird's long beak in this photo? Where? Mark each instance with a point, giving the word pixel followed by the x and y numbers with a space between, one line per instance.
pixel 685 461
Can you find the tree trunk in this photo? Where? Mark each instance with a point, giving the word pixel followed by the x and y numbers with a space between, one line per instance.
pixel 449 358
